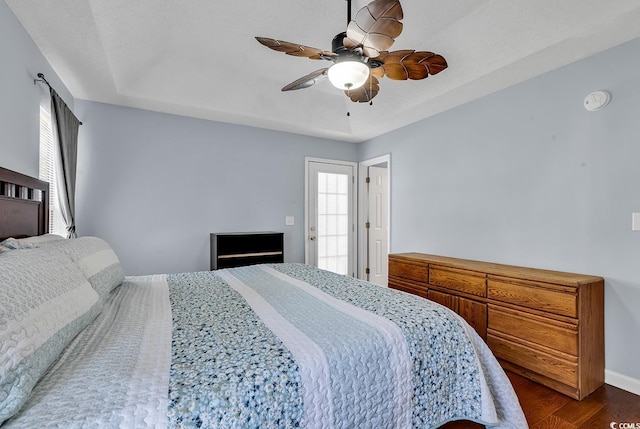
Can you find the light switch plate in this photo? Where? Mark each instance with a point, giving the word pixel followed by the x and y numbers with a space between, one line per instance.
pixel 635 221
pixel 289 220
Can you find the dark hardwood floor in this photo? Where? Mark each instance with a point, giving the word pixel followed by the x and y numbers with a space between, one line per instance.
pixel 546 409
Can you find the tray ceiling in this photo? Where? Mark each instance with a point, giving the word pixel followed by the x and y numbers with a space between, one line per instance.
pixel 200 58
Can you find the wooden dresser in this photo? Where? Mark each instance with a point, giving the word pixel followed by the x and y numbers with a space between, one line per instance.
pixel 545 325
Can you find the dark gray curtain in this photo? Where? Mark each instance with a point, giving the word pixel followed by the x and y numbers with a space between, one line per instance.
pixel 65 131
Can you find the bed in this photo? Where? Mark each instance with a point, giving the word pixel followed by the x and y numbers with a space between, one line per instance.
pixel 274 346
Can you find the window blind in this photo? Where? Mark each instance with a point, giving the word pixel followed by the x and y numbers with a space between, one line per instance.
pixel 48 172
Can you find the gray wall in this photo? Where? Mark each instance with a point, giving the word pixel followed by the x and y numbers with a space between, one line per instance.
pixel 20 99
pixel 155 185
pixel 527 176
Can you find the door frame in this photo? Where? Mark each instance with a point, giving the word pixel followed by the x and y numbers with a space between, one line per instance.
pixel 363 251
pixel 354 202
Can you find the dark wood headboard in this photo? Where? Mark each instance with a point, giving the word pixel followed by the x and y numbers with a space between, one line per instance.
pixel 24 205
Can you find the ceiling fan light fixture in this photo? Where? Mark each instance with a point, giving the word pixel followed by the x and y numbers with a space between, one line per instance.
pixel 348 74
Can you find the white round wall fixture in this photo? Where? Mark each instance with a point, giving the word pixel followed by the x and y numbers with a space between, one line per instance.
pixel 596 100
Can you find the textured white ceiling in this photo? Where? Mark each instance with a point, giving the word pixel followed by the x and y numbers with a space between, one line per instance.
pixel 199 58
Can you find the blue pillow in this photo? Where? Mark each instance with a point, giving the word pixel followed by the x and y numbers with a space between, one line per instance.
pixel 96 259
pixel 45 301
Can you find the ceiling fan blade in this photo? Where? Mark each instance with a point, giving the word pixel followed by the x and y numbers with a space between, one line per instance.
pixel 375 27
pixel 366 92
pixel 378 72
pixel 308 80
pixel 295 49
pixel 409 64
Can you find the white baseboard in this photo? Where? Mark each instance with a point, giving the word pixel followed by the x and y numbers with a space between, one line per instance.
pixel 622 381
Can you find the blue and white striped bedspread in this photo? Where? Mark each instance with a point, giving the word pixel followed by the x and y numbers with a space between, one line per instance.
pixel 278 346
pixel 292 346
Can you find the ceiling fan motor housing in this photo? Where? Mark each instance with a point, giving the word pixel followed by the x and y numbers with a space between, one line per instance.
pixel 337 47
pixel 337 44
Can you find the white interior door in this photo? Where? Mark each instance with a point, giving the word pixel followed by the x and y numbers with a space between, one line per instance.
pixel 330 228
pixel 374 215
pixel 378 226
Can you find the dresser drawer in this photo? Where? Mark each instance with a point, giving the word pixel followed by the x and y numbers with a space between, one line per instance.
pixel 414 288
pixel 562 368
pixel 408 271
pixel 545 332
pixel 470 282
pixel 562 300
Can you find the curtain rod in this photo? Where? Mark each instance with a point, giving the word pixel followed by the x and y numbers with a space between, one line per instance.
pixel 43 79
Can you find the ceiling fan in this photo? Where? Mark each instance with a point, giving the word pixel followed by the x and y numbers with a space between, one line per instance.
pixel 360 55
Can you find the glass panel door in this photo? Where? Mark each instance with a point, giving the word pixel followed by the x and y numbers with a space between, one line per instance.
pixel 330 229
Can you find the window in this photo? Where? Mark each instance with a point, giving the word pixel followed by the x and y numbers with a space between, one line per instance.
pixel 48 172
pixel 333 222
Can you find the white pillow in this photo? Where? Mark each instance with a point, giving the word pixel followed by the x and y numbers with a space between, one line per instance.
pixel 30 242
